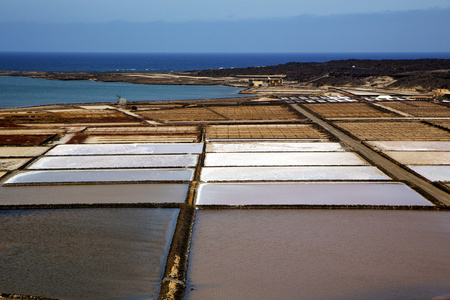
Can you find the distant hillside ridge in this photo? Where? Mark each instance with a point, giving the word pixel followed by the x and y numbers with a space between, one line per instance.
pixel 420 73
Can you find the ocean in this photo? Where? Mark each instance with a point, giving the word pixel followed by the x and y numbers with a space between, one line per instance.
pixel 166 62
pixel 23 92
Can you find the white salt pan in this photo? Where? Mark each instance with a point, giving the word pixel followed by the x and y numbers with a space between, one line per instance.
pixel 283 159
pixel 122 161
pixel 101 176
pixel 116 149
pixel 273 147
pixel 420 157
pixel 291 173
pixel 433 173
pixel 311 193
pixel 410 146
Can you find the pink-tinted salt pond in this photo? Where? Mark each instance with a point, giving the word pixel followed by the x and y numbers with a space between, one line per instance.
pixel 319 254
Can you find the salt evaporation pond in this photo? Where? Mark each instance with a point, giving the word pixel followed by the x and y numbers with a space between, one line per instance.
pixel 117 149
pixel 12 163
pixel 85 253
pixel 433 173
pixel 410 146
pixel 117 175
pixel 420 157
pixel 291 173
pixel 22 151
pixel 115 161
pixel 94 194
pixel 273 147
pixel 283 159
pixel 319 254
pixel 309 193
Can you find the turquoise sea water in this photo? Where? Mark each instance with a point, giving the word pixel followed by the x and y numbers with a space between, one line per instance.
pixel 24 92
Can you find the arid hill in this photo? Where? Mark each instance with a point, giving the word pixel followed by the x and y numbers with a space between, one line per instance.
pixel 427 74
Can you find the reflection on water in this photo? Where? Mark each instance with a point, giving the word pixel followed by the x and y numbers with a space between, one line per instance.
pixel 319 254
pixel 85 253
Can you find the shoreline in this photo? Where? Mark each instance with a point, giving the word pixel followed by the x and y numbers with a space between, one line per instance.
pixel 29 135
pixel 135 78
pixel 424 76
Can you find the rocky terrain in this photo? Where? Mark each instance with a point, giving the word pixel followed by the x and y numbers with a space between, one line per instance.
pixel 422 75
pixel 426 74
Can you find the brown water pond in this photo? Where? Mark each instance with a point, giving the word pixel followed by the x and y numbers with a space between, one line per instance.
pixel 85 253
pixel 319 254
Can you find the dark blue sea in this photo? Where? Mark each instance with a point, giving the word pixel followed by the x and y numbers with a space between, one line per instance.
pixel 23 92
pixel 166 62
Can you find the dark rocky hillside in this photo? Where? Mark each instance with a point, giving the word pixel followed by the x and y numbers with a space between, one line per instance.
pixel 424 73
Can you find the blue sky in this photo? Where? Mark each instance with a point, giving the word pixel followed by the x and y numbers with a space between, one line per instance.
pixel 225 26
pixel 66 11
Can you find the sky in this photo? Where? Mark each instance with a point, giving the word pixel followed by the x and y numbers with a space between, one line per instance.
pixel 91 11
pixel 225 26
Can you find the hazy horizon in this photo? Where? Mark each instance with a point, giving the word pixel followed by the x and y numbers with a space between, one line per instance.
pixel 94 11
pixel 200 26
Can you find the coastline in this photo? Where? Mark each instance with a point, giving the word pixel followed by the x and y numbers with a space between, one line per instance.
pixel 424 76
pixel 30 134
pixel 135 78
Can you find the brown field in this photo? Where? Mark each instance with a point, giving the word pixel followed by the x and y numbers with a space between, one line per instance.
pixel 420 108
pixel 75 116
pixel 394 131
pixel 24 139
pixel 259 112
pixel 295 131
pixel 347 110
